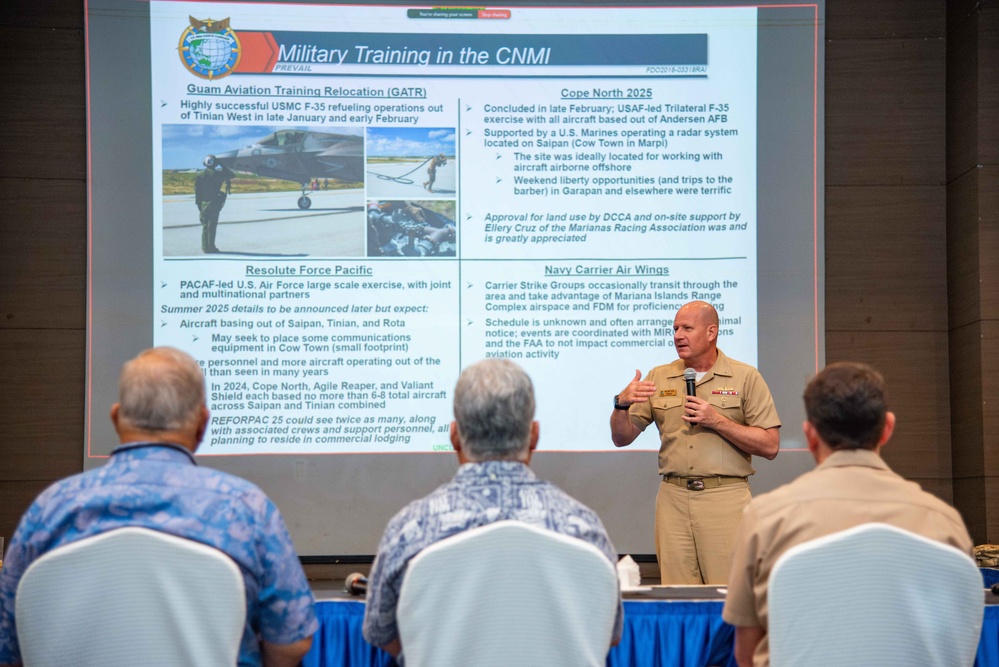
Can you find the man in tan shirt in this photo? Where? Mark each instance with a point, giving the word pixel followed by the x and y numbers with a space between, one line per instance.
pixel 707 442
pixel 847 424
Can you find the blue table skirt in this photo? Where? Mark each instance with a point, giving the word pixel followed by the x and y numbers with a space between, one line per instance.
pixel 657 634
pixel 339 642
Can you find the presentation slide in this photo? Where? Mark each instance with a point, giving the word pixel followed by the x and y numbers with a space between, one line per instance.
pixel 337 208
pixel 543 185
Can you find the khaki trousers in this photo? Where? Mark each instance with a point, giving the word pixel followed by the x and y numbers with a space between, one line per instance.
pixel 695 532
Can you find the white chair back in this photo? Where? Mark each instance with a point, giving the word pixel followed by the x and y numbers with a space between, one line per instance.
pixel 131 597
pixel 508 594
pixel 874 595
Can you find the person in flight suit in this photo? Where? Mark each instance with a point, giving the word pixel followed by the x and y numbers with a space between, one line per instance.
pixel 210 199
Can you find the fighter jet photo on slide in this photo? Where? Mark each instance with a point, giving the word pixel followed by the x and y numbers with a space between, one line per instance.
pixel 260 216
pixel 301 156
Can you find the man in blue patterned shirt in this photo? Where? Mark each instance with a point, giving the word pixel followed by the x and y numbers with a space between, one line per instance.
pixel 152 481
pixel 494 435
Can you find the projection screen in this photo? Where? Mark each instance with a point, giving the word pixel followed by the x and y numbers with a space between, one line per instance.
pixel 414 188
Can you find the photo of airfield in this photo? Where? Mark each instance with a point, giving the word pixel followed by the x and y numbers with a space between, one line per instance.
pixel 295 192
pixel 405 228
pixel 410 162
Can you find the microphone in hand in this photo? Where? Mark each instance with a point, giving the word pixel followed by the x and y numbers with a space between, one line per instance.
pixel 690 377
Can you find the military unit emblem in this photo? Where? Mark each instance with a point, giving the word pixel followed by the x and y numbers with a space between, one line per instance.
pixel 209 49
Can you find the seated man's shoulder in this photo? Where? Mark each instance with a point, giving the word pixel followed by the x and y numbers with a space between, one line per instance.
pixel 569 504
pixel 69 486
pixel 790 495
pixel 450 510
pixel 569 516
pixel 234 489
pixel 822 500
pixel 417 523
pixel 66 493
pixel 936 505
pixel 215 479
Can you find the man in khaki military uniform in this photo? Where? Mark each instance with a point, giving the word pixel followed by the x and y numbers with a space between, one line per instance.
pixel 707 443
pixel 847 424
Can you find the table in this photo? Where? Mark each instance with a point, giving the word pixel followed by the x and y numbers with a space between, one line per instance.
pixel 657 633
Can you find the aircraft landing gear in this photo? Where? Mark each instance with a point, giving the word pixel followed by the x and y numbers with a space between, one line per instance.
pixel 304 202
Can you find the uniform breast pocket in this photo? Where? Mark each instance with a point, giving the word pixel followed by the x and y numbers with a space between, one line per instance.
pixel 666 402
pixel 725 402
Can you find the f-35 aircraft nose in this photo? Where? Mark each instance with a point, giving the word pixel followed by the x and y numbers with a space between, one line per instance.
pixel 227 157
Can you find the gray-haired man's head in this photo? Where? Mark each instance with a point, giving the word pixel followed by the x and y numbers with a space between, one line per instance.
pixel 494 412
pixel 161 389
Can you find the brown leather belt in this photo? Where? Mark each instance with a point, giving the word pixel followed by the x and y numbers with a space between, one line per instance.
pixel 701 483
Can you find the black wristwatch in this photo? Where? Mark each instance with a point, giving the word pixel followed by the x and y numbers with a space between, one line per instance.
pixel 618 406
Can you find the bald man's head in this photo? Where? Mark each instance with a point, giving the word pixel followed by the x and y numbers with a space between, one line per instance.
pixel 702 311
pixel 695 334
